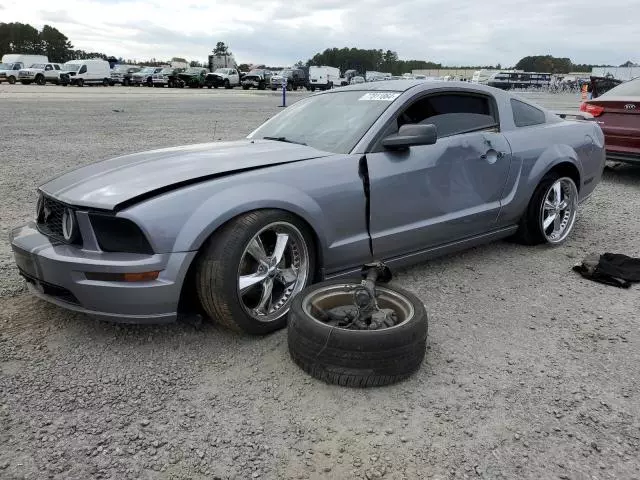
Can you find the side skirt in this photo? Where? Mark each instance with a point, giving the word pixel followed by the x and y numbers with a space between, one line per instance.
pixel 424 255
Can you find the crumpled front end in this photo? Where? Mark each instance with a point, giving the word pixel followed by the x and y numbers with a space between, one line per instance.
pixel 81 266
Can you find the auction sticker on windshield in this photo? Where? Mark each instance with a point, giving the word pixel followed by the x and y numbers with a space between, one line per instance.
pixel 382 96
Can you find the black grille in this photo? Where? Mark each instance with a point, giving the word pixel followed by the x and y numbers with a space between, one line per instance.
pixel 52 290
pixel 49 219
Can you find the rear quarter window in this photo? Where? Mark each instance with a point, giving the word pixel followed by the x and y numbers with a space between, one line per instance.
pixel 525 115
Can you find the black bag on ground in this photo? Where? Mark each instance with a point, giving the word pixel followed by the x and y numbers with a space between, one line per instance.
pixel 610 268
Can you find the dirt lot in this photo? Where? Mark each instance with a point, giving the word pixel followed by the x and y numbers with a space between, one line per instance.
pixel 531 371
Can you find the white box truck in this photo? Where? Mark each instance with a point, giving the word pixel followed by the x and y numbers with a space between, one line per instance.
pixel 323 78
pixel 12 62
pixel 86 72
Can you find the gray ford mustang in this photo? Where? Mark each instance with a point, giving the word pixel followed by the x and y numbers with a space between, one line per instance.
pixel 398 171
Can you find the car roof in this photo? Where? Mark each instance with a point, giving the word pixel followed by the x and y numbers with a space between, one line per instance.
pixel 404 85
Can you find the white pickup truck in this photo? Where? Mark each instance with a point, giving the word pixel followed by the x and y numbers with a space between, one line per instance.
pixel 224 77
pixel 40 73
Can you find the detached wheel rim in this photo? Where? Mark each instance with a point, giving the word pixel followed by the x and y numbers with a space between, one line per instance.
pixel 274 268
pixel 340 296
pixel 558 212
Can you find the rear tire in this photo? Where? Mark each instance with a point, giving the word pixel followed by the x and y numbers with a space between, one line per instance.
pixel 357 358
pixel 227 84
pixel 225 258
pixel 531 230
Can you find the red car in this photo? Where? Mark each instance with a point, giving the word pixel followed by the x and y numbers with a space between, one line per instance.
pixel 617 111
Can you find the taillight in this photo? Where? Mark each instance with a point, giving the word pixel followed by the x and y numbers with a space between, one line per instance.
pixel 594 110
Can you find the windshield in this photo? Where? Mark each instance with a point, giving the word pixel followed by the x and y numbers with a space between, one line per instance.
pixel 255 72
pixel 6 66
pixel 222 70
pixel 284 73
pixel 71 67
pixel 39 66
pixel 166 71
pixel 626 89
pixel 147 70
pixel 194 70
pixel 333 122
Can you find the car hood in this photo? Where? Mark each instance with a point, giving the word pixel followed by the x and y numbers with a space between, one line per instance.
pixel 31 70
pixel 109 183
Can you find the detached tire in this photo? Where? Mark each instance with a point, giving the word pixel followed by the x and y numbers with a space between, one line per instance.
pixel 357 358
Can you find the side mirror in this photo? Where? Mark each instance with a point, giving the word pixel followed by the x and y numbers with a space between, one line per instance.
pixel 411 135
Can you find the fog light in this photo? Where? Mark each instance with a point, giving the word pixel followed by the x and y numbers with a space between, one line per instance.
pixel 122 277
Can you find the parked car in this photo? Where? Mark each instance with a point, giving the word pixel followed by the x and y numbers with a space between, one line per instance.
pixel 40 73
pixel 168 77
pixel 295 79
pixel 223 77
pixel 144 76
pixel 397 171
pixel 617 111
pixel 194 77
pixel 256 78
pixel 81 72
pixel 11 63
pixel 122 74
pixel 357 80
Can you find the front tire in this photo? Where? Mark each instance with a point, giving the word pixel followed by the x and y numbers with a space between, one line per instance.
pixel 40 80
pixel 249 271
pixel 12 80
pixel 227 84
pixel 551 213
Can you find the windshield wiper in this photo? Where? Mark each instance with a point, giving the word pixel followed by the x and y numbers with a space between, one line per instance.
pixel 283 139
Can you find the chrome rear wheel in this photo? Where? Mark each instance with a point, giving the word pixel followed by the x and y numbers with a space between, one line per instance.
pixel 558 211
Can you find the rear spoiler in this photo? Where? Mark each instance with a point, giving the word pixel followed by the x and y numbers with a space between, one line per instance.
pixel 576 115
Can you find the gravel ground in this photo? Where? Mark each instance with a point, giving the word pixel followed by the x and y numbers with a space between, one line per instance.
pixel 531 372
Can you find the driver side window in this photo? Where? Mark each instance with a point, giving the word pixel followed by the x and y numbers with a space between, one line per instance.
pixel 83 69
pixel 451 113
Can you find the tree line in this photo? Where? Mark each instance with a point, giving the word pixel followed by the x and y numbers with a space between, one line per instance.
pixel 23 38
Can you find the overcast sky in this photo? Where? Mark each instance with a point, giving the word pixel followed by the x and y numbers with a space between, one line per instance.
pixel 281 32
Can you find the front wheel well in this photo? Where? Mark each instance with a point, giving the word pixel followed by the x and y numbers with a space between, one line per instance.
pixel 566 169
pixel 189 302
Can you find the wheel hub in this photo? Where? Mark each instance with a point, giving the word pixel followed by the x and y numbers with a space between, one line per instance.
pixel 559 210
pixel 273 269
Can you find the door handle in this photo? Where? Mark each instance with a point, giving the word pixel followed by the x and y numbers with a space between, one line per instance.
pixel 492 154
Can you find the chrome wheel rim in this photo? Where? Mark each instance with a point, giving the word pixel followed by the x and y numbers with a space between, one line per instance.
pixel 274 267
pixel 558 212
pixel 341 295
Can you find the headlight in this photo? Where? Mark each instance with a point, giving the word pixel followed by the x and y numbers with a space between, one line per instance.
pixel 69 225
pixel 117 234
pixel 40 209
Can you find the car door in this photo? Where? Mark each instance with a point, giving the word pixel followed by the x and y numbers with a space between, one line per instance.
pixel 432 195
